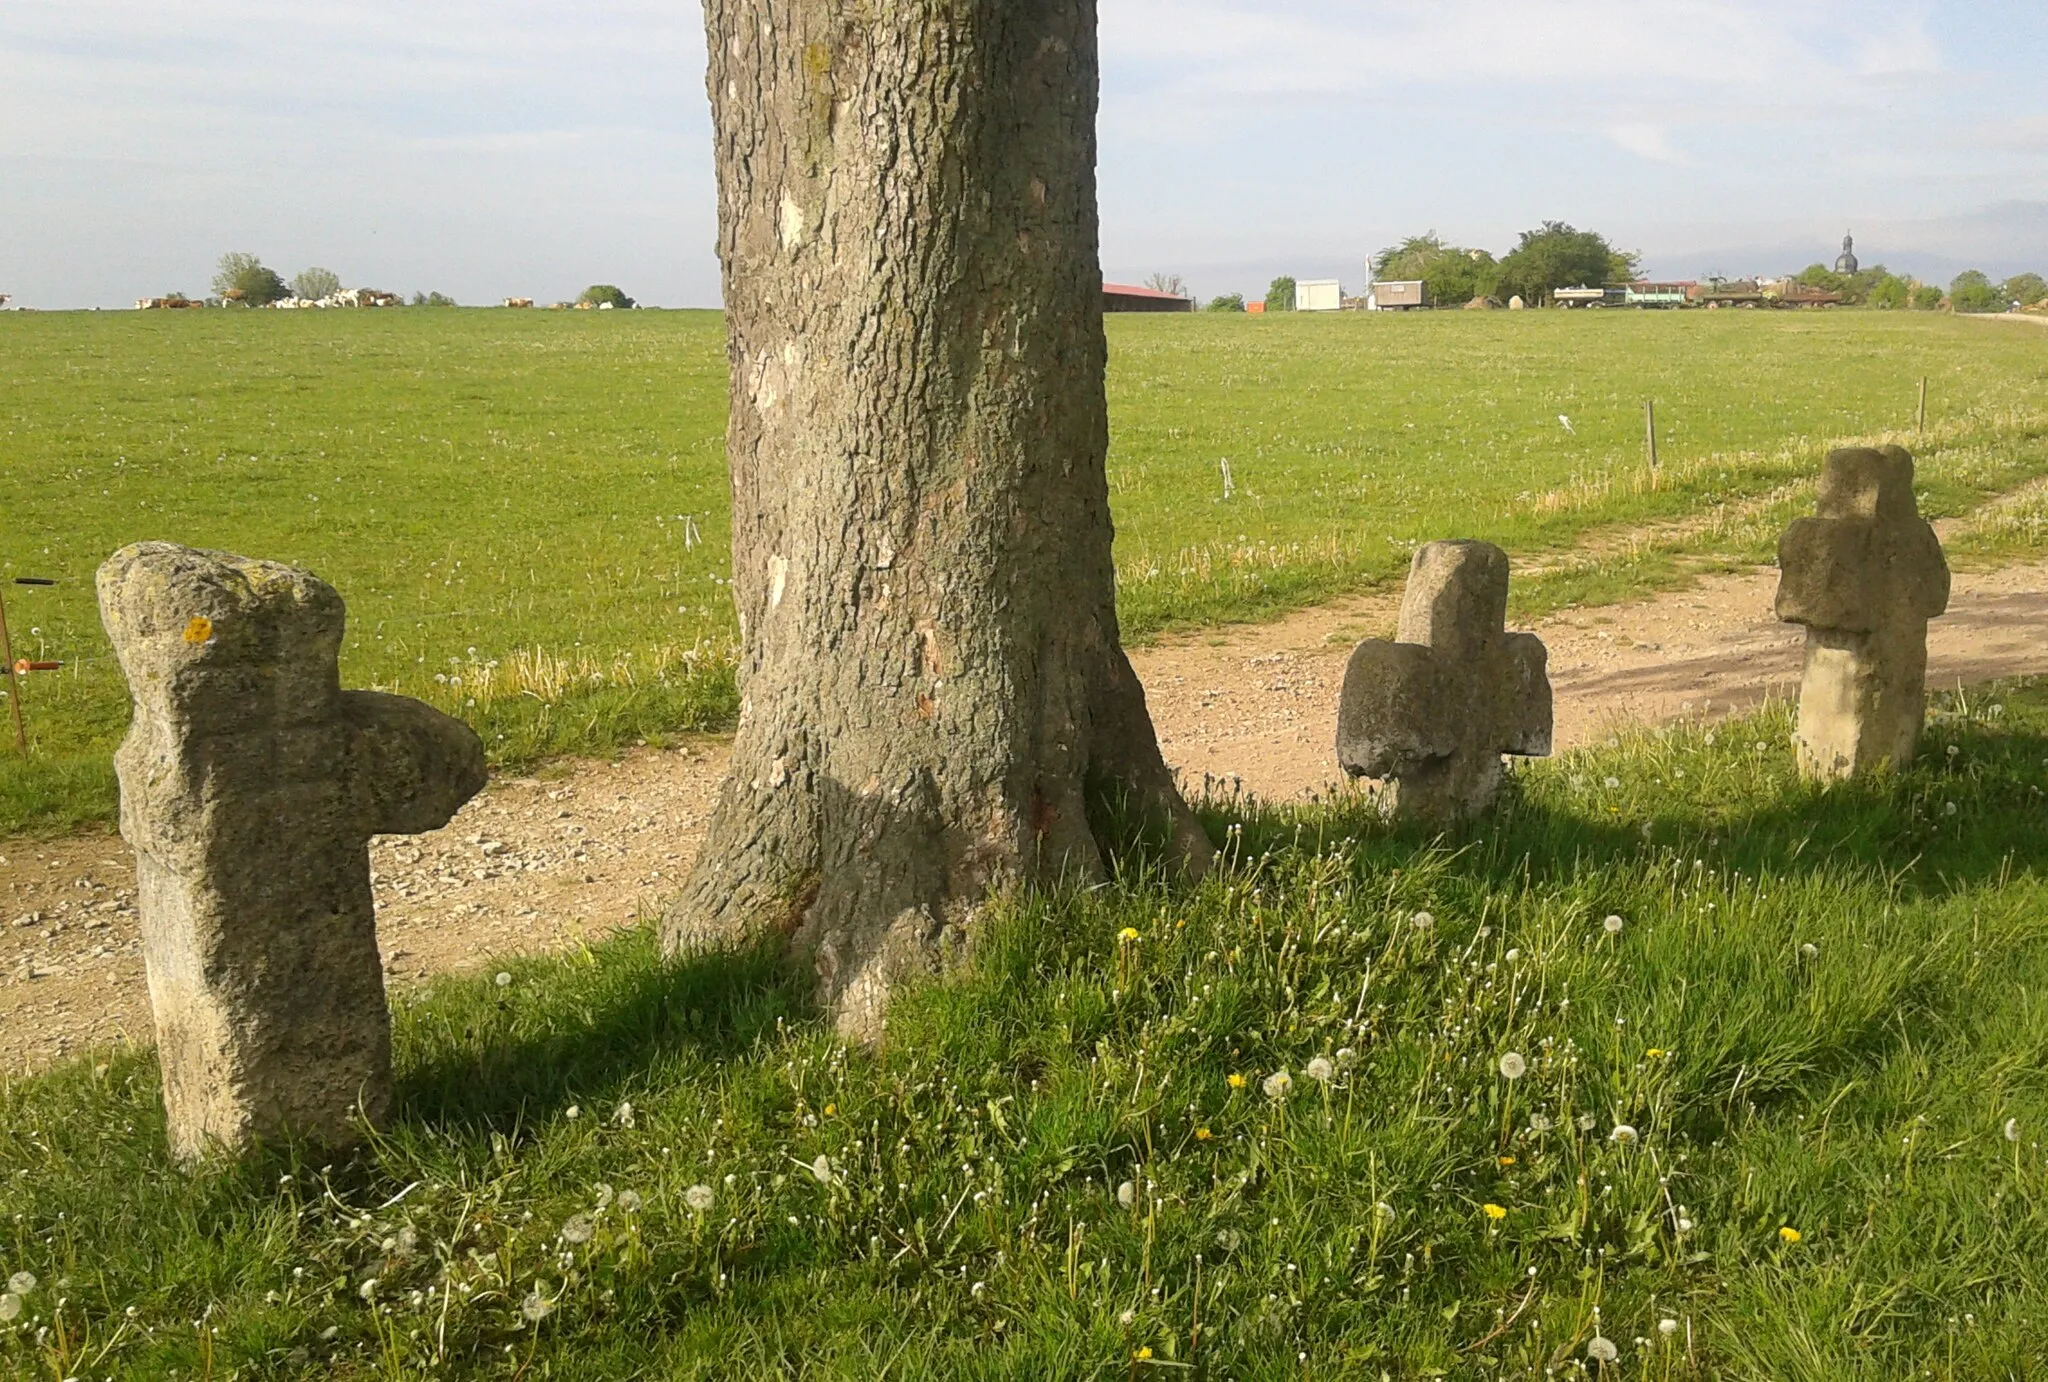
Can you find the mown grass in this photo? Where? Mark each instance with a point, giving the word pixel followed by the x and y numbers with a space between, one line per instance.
pixel 527 511
pixel 1816 1012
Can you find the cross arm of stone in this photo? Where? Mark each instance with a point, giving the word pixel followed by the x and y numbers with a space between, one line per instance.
pixel 414 766
pixel 1867 557
pixel 1398 712
pixel 1523 712
pixel 1854 574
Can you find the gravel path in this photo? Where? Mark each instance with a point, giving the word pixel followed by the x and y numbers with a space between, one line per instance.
pixel 545 863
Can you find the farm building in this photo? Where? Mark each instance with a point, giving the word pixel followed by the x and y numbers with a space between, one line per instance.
pixel 1125 297
pixel 1318 295
pixel 1396 295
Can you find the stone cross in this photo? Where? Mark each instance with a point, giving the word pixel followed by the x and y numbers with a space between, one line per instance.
pixel 1864 578
pixel 250 786
pixel 1435 709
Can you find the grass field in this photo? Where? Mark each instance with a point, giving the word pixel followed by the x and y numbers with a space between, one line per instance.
pixel 526 511
pixel 1780 1079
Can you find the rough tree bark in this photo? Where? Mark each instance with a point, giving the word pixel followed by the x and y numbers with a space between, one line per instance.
pixel 932 688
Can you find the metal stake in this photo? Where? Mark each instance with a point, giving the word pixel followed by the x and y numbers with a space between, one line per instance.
pixel 13 683
pixel 1650 430
pixel 14 672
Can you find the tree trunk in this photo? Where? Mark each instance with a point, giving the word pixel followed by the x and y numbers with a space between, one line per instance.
pixel 932 689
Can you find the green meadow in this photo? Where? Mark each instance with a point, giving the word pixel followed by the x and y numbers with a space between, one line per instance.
pixel 1673 1068
pixel 527 510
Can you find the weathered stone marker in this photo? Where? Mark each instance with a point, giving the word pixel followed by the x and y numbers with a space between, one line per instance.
pixel 1864 578
pixel 1435 709
pixel 250 786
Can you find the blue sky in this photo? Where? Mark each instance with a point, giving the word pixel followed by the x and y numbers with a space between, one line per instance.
pixel 488 148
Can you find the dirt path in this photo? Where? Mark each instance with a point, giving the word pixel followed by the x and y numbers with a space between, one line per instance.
pixel 543 863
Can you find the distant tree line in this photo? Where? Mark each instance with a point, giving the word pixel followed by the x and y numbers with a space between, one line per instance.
pixel 1971 291
pixel 246 280
pixel 1556 255
pixel 1552 256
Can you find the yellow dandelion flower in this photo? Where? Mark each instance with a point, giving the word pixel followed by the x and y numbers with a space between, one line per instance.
pixel 1142 1354
pixel 1236 1082
pixel 831 1109
pixel 1495 1212
pixel 1128 934
pixel 1790 1234
pixel 1507 1161
pixel 1203 1134
pixel 1656 1053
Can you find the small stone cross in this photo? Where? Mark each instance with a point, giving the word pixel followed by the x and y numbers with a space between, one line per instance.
pixel 1864 578
pixel 1435 709
pixel 250 786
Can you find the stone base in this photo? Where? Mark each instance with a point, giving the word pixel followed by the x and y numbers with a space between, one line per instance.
pixel 1444 791
pixel 1862 701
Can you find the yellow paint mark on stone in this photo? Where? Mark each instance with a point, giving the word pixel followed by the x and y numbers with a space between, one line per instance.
pixel 200 630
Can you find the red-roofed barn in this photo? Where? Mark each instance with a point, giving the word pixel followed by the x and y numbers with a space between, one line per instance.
pixel 1124 297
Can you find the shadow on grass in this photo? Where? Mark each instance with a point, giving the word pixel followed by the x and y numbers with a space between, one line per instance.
pixel 605 1021
pixel 1950 823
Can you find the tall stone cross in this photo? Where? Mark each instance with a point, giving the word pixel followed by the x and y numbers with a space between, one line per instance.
pixel 1864 577
pixel 250 786
pixel 1435 709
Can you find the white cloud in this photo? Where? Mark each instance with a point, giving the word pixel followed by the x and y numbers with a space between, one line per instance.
pixel 1646 141
pixel 1898 47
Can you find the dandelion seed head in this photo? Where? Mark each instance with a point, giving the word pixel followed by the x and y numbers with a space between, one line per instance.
pixel 10 1306
pixel 1127 1194
pixel 1624 1133
pixel 1601 1349
pixel 821 1169
pixel 1613 924
pixel 2012 1129
pixel 699 1198
pixel 577 1228
pixel 21 1283
pixel 503 980
pixel 1810 950
pixel 1278 1084
pixel 1423 921
pixel 1667 1327
pixel 1320 1070
pixel 1539 1122
pixel 629 1202
pixel 1512 1066
pixel 573 1112
pixel 536 1307
pixel 368 1289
